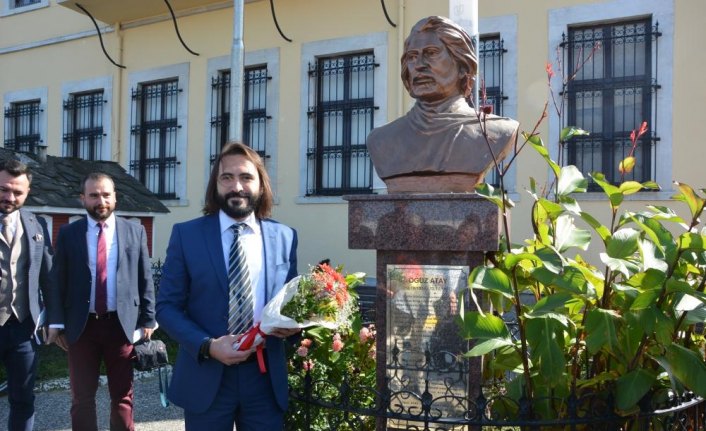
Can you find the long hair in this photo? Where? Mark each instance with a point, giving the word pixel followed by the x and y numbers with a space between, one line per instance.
pixel 264 208
pixel 457 42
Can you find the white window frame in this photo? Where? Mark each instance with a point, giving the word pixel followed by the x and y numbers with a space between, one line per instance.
pixel 332 47
pixel 506 27
pixel 180 72
pixel 104 83
pixel 269 57
pixel 7 8
pixel 20 96
pixel 661 11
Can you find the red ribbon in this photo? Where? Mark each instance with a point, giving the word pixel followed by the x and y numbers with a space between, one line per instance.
pixel 248 339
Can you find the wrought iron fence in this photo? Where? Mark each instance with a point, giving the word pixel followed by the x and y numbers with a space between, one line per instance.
pixel 401 405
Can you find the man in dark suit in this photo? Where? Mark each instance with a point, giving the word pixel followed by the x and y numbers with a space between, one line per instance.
pixel 104 278
pixel 216 385
pixel 25 262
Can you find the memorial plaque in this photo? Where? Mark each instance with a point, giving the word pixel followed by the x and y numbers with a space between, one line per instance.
pixel 424 347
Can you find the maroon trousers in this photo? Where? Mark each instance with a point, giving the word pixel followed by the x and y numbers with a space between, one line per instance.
pixel 101 340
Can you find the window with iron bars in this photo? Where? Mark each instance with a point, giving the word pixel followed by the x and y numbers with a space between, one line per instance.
pixel 254 110
pixel 22 126
pixel 490 79
pixel 341 105
pixel 610 95
pixel 83 125
pixel 154 130
pixel 23 3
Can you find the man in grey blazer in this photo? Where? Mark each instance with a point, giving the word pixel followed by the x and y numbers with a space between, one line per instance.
pixel 25 263
pixel 104 278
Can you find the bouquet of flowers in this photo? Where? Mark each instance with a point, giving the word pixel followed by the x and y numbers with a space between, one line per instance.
pixel 324 297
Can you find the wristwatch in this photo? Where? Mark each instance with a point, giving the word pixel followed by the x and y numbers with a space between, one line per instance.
pixel 204 349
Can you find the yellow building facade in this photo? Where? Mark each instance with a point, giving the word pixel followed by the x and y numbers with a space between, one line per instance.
pixel 321 73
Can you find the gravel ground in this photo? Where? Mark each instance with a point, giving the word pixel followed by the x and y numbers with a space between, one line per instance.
pixel 52 408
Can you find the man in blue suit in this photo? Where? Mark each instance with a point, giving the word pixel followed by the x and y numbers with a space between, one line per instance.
pixel 104 278
pixel 216 385
pixel 25 262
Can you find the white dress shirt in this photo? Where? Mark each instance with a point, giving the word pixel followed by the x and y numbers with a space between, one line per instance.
pixel 251 238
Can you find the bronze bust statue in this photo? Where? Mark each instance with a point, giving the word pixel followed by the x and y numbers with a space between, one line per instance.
pixel 439 145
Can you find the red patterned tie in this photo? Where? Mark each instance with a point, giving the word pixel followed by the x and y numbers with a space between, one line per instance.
pixel 101 273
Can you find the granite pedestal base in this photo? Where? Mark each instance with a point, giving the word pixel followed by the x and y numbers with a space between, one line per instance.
pixel 422 241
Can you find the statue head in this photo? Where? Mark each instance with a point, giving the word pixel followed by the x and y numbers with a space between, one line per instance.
pixel 438 60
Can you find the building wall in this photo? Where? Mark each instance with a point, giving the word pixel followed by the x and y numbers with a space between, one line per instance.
pixel 151 45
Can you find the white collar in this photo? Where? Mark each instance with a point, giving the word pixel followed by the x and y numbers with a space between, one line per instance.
pixel 227 221
pixel 109 222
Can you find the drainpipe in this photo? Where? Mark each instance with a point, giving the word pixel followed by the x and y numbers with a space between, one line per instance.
pixel 118 125
pixel 235 129
pixel 465 14
pixel 400 47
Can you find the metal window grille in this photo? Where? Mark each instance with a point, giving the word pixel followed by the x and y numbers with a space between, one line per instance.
pixel 610 95
pixel 490 76
pixel 490 72
pixel 83 125
pixel 341 106
pixel 22 3
pixel 22 126
pixel 153 151
pixel 254 111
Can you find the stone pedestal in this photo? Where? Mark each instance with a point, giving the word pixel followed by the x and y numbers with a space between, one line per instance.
pixel 436 235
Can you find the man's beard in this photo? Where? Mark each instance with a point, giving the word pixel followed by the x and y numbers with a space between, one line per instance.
pixel 7 207
pixel 95 215
pixel 238 212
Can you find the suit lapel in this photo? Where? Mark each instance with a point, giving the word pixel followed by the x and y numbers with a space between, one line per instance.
pixel 80 238
pixel 268 244
pixel 212 235
pixel 31 230
pixel 121 232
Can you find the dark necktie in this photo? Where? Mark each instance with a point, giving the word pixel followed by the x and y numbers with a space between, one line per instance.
pixel 101 273
pixel 240 308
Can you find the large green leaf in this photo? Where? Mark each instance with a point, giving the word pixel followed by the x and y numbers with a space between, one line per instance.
pixel 552 210
pixel 551 259
pixel 645 299
pixel 513 259
pixel 571 180
pixel 483 327
pixel 688 195
pixel 650 279
pixel 491 279
pixel 615 196
pixel 692 241
pixel 571 280
pixel 536 142
pixel 567 235
pixel 631 387
pixel 660 235
pixel 688 367
pixel 550 303
pixel 488 346
pixel 571 131
pixel 664 329
pixel 601 230
pixel 547 349
pixel 601 330
pixel 630 187
pixel 622 266
pixel 494 195
pixel 623 243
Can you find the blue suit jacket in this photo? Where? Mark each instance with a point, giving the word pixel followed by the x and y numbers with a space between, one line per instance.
pixel 135 289
pixel 192 305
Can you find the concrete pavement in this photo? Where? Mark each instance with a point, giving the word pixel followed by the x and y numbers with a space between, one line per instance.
pixel 52 409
